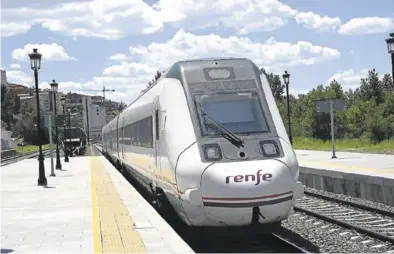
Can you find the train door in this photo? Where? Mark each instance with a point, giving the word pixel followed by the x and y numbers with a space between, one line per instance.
pixel 156 140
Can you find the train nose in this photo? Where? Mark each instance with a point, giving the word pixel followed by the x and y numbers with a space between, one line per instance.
pixel 231 191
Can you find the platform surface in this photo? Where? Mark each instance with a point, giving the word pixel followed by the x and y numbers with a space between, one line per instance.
pixel 361 163
pixel 88 207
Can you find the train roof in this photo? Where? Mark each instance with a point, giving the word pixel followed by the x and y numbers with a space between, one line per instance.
pixel 174 71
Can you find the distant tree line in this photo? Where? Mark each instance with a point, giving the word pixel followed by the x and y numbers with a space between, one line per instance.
pixel 369 115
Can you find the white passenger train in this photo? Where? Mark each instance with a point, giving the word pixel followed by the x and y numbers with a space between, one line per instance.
pixel 208 139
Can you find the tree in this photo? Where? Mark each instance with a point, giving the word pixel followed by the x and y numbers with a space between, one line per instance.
pixel 275 84
pixel 387 83
pixel 10 105
pixel 371 87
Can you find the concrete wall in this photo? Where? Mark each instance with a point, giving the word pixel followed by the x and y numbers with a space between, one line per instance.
pixel 374 188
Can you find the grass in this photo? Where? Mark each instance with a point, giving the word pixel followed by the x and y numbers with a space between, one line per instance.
pixel 353 145
pixel 30 148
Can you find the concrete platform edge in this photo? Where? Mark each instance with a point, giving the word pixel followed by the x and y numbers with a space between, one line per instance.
pixel 373 188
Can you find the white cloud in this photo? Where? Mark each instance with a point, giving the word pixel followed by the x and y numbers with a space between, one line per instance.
pixel 118 57
pixel 349 79
pixel 368 25
pixel 50 52
pixel 19 77
pixel 99 18
pixel 314 21
pixel 15 66
pixel 14 28
pixel 241 15
pixel 271 54
pixel 118 18
pixel 128 69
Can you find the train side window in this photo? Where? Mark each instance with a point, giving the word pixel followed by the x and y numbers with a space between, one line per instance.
pixel 157 124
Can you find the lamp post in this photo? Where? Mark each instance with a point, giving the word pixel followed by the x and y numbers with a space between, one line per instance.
pixel 390 49
pixel 69 126
pixel 54 87
pixel 286 79
pixel 35 63
pixel 69 123
pixel 63 100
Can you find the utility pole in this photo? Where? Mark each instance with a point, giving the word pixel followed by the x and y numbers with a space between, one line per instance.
pixel 87 119
pixel 332 129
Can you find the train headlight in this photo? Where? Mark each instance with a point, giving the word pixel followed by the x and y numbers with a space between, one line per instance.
pixel 212 152
pixel 269 148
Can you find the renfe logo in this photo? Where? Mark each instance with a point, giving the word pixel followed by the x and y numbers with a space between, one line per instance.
pixel 252 178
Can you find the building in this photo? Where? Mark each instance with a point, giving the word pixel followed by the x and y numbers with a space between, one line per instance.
pixel 29 104
pixel 4 78
pixel 20 89
pixel 93 115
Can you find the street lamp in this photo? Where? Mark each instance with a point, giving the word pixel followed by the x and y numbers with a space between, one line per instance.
pixel 63 100
pixel 35 63
pixel 286 79
pixel 69 126
pixel 54 87
pixel 390 49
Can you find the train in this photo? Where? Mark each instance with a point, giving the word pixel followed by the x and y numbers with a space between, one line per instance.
pixel 74 141
pixel 207 140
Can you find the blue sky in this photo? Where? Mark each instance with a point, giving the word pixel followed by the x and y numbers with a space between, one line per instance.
pixel 121 44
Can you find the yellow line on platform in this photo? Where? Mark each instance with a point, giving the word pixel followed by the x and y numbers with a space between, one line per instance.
pixel 116 226
pixel 95 215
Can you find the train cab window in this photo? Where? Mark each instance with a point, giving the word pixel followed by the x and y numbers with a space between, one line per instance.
pixel 240 113
pixel 157 124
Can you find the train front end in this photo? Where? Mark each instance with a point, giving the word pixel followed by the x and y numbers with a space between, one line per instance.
pixel 246 168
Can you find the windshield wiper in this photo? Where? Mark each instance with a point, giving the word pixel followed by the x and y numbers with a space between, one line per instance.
pixel 223 131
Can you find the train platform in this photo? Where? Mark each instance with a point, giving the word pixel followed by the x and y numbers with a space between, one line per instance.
pixel 361 175
pixel 88 207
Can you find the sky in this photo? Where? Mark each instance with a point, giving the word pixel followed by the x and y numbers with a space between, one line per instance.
pixel 120 44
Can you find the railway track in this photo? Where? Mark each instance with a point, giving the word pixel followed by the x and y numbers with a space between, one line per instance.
pixel 373 222
pixel 270 243
pixel 13 159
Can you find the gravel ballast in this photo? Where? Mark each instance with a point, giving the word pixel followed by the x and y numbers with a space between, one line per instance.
pixel 352 199
pixel 331 238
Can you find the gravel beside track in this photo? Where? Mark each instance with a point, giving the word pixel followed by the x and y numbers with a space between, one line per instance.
pixel 352 199
pixel 331 238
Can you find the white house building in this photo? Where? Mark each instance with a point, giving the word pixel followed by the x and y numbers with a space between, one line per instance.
pixel 95 115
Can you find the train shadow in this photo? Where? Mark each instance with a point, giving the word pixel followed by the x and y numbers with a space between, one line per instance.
pixel 298 240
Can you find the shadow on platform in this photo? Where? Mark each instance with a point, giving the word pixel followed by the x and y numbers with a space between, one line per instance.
pixel 6 250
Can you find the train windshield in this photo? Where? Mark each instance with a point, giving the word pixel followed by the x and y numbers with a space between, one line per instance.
pixel 240 113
